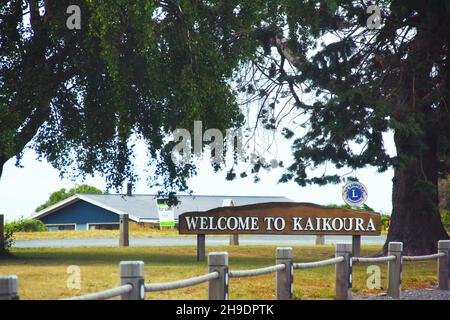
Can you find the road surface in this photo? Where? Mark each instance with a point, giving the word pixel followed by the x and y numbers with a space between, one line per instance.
pixel 253 240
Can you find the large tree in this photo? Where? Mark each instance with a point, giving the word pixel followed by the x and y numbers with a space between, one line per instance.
pixel 364 81
pixel 135 69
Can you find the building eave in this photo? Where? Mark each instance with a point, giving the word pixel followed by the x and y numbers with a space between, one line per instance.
pixel 55 207
pixel 73 199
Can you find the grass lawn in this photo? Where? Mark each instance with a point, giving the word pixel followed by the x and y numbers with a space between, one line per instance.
pixel 77 234
pixel 43 272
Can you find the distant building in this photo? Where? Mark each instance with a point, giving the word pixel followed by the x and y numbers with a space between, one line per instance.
pixel 101 211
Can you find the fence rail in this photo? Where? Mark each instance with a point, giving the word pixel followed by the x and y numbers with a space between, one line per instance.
pixel 256 272
pixel 426 257
pixel 172 285
pixel 373 259
pixel 132 285
pixel 104 295
pixel 316 264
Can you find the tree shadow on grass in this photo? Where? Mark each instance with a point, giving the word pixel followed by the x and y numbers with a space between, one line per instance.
pixel 179 256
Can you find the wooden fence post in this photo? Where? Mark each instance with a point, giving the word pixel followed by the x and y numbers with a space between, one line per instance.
pixel 285 277
pixel 201 247
pixel 344 272
pixel 395 270
pixel 444 264
pixel 218 288
pixel 9 288
pixel 124 240
pixel 132 272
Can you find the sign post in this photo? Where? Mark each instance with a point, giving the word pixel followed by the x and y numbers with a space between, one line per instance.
pixel 201 247
pixel 124 240
pixel 320 240
pixel 356 246
pixel 355 194
pixel 234 238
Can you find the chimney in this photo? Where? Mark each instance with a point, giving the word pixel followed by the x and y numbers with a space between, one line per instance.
pixel 129 189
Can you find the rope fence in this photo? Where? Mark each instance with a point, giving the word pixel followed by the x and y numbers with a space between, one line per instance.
pixel 373 260
pixel 423 258
pixel 133 287
pixel 316 264
pixel 256 272
pixel 104 295
pixel 172 285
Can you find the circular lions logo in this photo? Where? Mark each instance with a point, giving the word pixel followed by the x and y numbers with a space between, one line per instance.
pixel 354 194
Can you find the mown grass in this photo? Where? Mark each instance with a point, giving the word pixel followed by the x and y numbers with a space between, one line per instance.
pixel 43 272
pixel 135 232
pixel 78 234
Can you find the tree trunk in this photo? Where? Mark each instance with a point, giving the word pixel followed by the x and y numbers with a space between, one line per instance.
pixel 415 219
pixel 443 193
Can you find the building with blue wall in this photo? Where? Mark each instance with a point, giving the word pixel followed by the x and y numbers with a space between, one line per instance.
pixel 102 211
pixel 81 215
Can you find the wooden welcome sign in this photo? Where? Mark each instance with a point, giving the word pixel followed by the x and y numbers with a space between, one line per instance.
pixel 281 218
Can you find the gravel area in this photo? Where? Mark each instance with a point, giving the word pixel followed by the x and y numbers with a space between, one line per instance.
pixel 413 294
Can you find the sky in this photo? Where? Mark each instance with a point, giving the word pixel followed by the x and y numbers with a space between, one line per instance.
pixel 23 189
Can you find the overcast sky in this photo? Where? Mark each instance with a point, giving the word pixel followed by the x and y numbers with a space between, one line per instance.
pixel 23 189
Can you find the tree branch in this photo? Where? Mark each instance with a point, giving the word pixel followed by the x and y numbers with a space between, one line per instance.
pixel 281 44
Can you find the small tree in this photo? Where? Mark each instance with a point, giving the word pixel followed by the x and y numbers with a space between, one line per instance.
pixel 63 194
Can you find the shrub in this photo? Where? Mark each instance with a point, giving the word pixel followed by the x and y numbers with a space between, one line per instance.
pixel 6 242
pixel 385 220
pixel 445 216
pixel 364 207
pixel 25 225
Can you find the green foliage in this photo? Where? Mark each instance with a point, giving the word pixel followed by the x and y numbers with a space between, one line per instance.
pixel 364 207
pixel 445 217
pixel 385 219
pixel 25 225
pixel 6 242
pixel 140 69
pixel 63 194
pixel 351 78
pixel 135 69
pixel 385 222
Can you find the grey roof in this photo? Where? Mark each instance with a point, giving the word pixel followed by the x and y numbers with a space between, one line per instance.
pixel 144 207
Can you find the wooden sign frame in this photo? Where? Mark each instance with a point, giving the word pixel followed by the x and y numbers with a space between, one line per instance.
pixel 278 218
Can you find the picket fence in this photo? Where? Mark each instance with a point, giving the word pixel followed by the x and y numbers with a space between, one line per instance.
pixel 133 287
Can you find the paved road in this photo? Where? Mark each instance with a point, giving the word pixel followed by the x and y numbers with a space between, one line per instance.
pixel 190 241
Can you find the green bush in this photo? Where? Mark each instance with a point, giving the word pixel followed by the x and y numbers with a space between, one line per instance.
pixel 6 242
pixel 445 216
pixel 385 220
pixel 364 207
pixel 25 225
